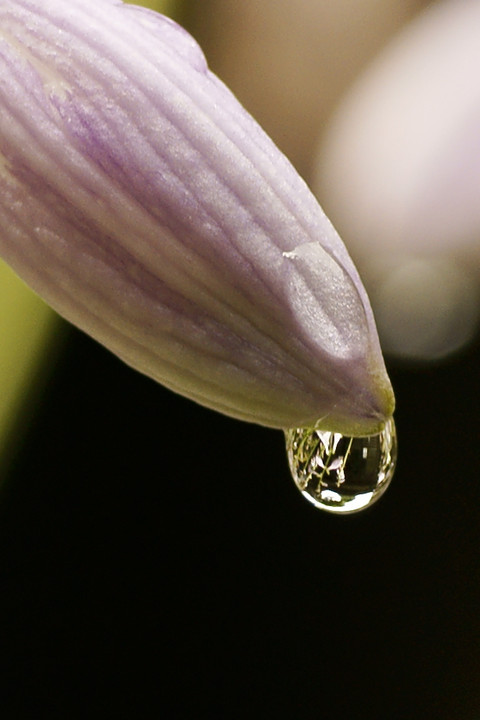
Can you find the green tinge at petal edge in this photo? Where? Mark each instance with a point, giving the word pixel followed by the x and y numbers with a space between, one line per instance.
pixel 161 6
pixel 27 327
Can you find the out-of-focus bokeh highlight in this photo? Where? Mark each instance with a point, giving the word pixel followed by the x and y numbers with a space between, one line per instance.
pixel 399 174
pixel 155 555
pixel 376 104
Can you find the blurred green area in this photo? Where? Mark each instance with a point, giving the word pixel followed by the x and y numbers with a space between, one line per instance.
pixel 163 6
pixel 28 329
pixel 29 338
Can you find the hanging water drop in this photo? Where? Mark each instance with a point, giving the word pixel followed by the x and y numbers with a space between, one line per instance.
pixel 341 474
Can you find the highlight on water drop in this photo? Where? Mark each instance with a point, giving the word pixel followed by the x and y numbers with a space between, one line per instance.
pixel 341 474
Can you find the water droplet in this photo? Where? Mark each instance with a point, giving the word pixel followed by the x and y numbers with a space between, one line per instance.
pixel 341 474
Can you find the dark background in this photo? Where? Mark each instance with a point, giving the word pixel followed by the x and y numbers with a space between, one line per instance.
pixel 156 557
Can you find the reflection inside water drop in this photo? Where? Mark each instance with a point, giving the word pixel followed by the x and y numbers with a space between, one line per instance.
pixel 341 474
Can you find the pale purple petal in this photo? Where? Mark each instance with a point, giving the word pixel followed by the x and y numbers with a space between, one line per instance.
pixel 147 207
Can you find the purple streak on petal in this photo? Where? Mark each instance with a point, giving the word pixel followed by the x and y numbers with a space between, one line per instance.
pixel 148 207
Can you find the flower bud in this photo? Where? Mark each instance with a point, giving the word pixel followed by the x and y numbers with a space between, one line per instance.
pixel 142 202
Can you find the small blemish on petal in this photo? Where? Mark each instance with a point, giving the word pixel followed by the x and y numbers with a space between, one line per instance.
pixel 301 250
